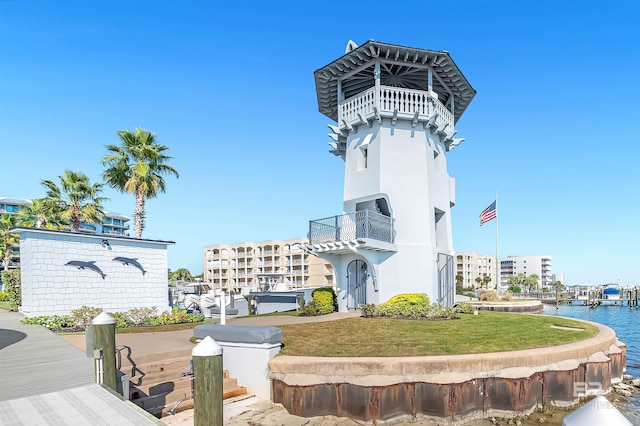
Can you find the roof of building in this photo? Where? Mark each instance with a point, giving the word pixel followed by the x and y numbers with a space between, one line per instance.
pixel 400 66
pixel 21 229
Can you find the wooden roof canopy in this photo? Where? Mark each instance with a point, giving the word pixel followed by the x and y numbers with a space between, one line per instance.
pixel 400 66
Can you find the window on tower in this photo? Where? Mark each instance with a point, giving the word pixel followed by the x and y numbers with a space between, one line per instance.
pixel 363 157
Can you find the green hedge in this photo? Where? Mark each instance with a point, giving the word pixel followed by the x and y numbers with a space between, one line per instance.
pixel 324 302
pixel 11 285
pixel 408 306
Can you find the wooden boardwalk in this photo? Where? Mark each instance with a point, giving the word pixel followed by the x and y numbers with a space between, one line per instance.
pixel 33 360
pixel 44 380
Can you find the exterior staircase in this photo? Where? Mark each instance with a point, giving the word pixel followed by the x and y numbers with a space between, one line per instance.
pixel 158 381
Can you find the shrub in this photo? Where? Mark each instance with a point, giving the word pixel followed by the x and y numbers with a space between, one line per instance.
pixel 83 315
pixel 13 288
pixel 325 300
pixel 515 289
pixel 176 316
pixel 411 305
pixel 138 316
pixel 54 322
pixel 310 309
pixel 368 310
pixel 507 297
pixel 465 308
pixel 489 295
pixel 3 296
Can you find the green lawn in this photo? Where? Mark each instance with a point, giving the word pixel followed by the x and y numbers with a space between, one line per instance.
pixel 486 332
pixel 5 306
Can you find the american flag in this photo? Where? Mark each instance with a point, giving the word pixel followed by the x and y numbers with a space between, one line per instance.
pixel 488 214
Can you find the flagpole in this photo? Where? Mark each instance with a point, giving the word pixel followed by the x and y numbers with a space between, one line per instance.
pixel 497 261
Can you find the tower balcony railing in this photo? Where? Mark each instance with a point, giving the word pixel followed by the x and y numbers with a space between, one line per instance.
pixel 393 102
pixel 352 226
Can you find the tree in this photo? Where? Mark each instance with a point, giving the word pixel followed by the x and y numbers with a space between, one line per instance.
pixel 7 239
pixel 181 274
pixel 137 167
pixel 459 280
pixel 486 280
pixel 532 281
pixel 77 200
pixel 41 213
pixel 478 281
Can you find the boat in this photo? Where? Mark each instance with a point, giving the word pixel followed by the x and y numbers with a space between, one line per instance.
pixel 611 292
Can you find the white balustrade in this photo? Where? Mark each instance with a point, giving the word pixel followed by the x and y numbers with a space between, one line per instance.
pixel 393 100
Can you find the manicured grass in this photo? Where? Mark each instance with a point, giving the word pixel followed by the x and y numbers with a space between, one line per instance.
pixel 5 305
pixel 486 332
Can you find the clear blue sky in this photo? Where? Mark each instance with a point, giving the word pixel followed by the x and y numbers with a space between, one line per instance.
pixel 230 89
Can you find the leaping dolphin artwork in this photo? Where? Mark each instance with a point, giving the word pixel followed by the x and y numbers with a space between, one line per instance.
pixel 86 265
pixel 129 261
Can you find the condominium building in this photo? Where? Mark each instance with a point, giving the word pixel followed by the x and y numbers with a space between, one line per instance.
pixel 471 266
pixel 113 223
pixel 527 265
pixel 258 265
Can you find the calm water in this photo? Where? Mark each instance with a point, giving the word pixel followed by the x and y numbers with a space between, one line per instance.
pixel 625 322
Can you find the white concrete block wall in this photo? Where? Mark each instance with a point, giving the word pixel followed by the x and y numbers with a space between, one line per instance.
pixel 50 287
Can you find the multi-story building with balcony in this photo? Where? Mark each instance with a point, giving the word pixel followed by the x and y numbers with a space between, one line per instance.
pixel 527 265
pixel 264 264
pixel 472 266
pixel 113 223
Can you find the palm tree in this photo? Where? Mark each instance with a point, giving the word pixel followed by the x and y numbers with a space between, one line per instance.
pixel 77 201
pixel 7 239
pixel 137 167
pixel 41 213
pixel 486 280
pixel 478 281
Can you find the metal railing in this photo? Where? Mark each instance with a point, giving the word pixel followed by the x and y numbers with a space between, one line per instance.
pixel 446 280
pixel 351 226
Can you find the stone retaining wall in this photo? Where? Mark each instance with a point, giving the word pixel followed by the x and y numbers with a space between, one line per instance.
pixel 447 388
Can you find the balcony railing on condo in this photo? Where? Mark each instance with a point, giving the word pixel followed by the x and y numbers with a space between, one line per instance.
pixel 403 103
pixel 351 226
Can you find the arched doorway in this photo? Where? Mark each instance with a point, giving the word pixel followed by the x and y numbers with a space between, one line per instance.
pixel 356 284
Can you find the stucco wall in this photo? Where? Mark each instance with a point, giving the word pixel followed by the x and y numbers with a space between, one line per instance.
pixel 50 287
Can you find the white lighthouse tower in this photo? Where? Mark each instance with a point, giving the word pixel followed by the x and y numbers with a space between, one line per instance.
pixel 395 110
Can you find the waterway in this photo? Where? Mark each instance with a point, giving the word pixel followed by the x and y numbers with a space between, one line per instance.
pixel 625 322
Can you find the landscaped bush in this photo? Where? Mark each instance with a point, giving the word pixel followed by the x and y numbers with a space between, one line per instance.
pixel 465 308
pixel 83 315
pixel 11 285
pixel 81 318
pixel 506 297
pixel 138 316
pixel 3 296
pixel 325 299
pixel 53 322
pixel 176 316
pixel 489 295
pixel 408 306
pixel 411 305
pixel 368 310
pixel 515 289
pixel 324 302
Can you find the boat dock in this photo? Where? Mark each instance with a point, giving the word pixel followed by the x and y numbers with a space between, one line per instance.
pixel 629 297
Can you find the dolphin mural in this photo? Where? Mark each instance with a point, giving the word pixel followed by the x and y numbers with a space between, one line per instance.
pixel 86 265
pixel 129 261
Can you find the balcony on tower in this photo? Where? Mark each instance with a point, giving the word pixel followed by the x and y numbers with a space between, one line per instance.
pixel 378 81
pixel 361 229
